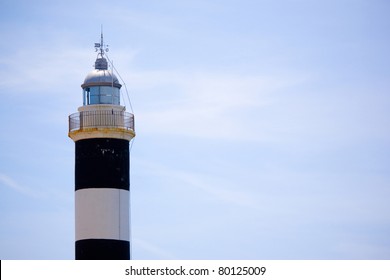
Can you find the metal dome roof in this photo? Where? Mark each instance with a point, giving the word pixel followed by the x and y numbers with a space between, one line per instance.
pixel 100 77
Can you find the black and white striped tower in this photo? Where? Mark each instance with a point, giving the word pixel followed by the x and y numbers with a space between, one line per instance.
pixel 101 130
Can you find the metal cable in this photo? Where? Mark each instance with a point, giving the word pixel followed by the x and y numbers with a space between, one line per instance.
pixel 124 84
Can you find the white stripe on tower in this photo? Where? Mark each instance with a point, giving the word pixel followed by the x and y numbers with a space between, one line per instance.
pixel 102 131
pixel 102 221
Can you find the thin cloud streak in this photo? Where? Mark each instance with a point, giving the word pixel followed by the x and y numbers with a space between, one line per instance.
pixel 209 106
pixel 44 77
pixel 13 185
pixel 203 183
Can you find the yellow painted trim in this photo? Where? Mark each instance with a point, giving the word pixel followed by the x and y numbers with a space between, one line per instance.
pixel 101 132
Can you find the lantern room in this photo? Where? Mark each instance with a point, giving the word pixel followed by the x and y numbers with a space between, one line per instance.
pixel 101 86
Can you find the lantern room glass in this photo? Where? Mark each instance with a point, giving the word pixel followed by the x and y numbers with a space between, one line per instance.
pixel 101 95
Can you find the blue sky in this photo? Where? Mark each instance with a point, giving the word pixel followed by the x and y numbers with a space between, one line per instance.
pixel 262 126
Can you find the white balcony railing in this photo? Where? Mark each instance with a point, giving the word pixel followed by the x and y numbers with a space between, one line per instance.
pixel 101 119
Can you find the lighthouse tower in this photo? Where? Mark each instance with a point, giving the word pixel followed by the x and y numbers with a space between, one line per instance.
pixel 101 130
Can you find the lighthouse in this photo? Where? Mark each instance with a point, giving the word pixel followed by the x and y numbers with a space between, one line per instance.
pixel 102 130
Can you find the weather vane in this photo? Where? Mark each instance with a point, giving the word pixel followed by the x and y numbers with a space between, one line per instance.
pixel 101 46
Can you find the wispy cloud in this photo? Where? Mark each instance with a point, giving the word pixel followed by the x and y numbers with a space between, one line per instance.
pixel 36 193
pixel 219 189
pixel 43 70
pixel 9 182
pixel 207 105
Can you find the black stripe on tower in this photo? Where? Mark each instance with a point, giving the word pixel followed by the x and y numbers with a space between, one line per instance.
pixel 102 163
pixel 102 249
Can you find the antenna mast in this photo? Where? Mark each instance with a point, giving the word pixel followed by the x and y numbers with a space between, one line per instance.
pixel 100 46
